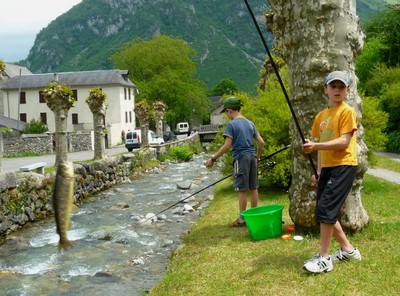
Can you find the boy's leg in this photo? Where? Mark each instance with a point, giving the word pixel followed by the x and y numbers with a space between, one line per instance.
pixel 341 238
pixel 254 197
pixel 242 201
pixel 326 237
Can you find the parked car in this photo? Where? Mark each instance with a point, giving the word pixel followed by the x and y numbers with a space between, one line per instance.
pixel 133 139
pixel 169 136
pixel 154 139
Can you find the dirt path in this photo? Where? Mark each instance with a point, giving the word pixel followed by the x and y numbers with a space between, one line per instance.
pixel 386 174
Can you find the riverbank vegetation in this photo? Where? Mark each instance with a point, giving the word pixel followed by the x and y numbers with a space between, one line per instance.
pixel 220 260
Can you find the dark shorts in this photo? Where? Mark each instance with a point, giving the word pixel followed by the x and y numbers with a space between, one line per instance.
pixel 334 186
pixel 245 175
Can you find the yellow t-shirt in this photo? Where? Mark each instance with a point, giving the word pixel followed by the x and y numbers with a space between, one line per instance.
pixel 330 124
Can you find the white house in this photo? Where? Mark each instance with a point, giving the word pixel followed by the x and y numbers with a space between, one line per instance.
pixel 30 104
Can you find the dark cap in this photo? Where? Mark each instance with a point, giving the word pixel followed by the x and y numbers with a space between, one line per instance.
pixel 231 103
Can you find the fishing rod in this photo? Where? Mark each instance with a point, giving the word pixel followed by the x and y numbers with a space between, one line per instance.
pixel 280 82
pixel 212 184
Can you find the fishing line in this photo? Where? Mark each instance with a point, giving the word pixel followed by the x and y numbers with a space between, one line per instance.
pixel 280 81
pixel 212 184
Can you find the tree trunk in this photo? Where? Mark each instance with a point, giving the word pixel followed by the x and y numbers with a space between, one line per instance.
pixel 159 111
pixel 99 142
pixel 61 116
pixel 97 104
pixel 315 38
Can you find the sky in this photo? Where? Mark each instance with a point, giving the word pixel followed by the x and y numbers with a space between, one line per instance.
pixel 22 20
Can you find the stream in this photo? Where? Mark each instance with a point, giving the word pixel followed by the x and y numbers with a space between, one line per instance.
pixel 114 252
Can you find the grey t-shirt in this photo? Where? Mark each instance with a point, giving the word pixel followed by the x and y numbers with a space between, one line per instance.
pixel 242 131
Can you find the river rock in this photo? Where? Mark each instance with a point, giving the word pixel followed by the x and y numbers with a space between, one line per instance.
pixel 101 235
pixel 185 185
pixel 120 206
pixel 188 208
pixel 187 199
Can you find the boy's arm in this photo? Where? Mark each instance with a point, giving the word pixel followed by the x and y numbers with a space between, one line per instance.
pixel 224 148
pixel 260 145
pixel 340 143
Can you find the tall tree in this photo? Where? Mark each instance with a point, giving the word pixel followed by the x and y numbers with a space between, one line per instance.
pixel 97 104
pixel 59 98
pixel 162 69
pixel 314 39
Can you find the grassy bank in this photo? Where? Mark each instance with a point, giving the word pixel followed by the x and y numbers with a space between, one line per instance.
pixel 220 260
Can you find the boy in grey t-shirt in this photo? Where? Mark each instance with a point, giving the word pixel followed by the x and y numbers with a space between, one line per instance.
pixel 240 134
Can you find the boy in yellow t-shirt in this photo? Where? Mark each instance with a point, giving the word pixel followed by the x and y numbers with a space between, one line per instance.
pixel 336 128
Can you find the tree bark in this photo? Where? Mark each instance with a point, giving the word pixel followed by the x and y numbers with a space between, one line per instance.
pixel 97 105
pixel 159 111
pixel 61 116
pixel 59 99
pixel 142 113
pixel 315 38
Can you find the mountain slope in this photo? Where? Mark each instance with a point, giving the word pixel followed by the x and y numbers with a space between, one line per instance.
pixel 221 32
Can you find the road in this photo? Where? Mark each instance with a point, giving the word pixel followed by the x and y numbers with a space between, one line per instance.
pixel 13 164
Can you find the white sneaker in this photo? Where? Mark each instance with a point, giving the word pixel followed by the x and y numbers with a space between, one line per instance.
pixel 342 256
pixel 318 264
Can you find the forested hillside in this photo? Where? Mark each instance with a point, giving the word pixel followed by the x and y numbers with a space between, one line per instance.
pixel 221 32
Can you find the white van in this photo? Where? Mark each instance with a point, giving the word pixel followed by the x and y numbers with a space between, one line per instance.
pixel 182 128
pixel 133 139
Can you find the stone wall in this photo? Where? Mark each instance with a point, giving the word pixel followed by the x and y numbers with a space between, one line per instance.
pixel 42 144
pixel 26 197
pixel 36 143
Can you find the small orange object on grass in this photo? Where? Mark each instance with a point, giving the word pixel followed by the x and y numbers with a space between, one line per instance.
pixel 287 236
pixel 290 228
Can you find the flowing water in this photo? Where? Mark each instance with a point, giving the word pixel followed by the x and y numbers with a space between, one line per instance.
pixel 114 252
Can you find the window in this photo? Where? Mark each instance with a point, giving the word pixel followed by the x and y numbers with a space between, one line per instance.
pixel 43 117
pixel 130 116
pixel 129 93
pixel 75 94
pixel 41 97
pixel 126 117
pixel 22 97
pixel 125 93
pixel 75 118
pixel 22 117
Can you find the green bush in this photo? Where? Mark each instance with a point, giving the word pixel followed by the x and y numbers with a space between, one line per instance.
pixel 35 127
pixel 374 122
pixel 181 153
pixel 393 144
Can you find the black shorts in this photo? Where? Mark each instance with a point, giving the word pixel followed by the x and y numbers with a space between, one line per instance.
pixel 333 188
pixel 245 175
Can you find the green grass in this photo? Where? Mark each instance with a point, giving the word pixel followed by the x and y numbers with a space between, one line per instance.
pixel 220 260
pixel 385 162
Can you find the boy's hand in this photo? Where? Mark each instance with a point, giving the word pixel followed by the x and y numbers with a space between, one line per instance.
pixel 308 146
pixel 209 163
pixel 315 179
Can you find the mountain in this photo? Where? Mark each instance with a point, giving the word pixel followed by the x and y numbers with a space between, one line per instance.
pixel 222 33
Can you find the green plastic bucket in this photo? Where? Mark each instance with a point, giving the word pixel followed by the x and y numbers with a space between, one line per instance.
pixel 264 222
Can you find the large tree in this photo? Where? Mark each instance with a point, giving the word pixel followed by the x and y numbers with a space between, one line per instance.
pixel 314 38
pixel 163 70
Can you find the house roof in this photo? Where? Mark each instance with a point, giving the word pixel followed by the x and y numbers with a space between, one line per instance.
pixel 12 70
pixel 216 100
pixel 72 79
